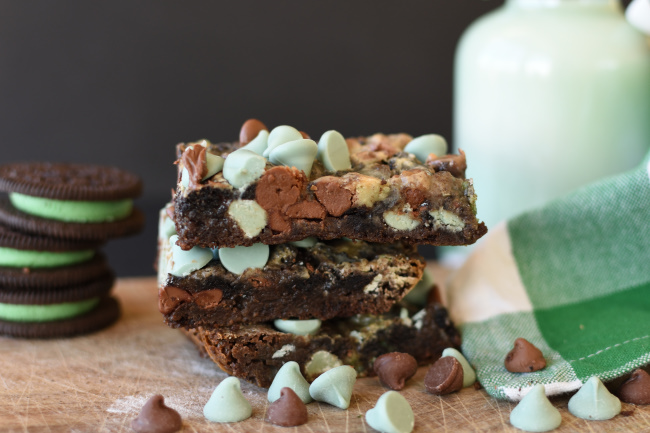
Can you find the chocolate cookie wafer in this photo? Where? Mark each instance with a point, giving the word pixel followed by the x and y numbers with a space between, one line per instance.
pixel 71 201
pixel 64 312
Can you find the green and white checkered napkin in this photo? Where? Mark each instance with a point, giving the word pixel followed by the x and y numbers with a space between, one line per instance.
pixel 573 278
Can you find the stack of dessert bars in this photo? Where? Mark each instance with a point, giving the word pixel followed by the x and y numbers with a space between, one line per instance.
pixel 277 248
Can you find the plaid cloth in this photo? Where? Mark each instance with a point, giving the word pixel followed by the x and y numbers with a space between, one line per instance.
pixel 573 278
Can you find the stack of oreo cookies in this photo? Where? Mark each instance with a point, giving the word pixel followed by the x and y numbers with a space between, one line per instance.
pixel 278 249
pixel 54 217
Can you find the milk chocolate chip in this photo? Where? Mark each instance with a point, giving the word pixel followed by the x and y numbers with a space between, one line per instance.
pixel 444 377
pixel 636 389
pixel 524 357
pixel 208 298
pixel 155 417
pixel 194 161
pixel 277 190
pixel 454 164
pixel 249 131
pixel 333 196
pixel 170 297
pixel 394 369
pixel 288 410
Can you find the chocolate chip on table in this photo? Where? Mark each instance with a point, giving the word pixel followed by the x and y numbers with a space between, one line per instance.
pixel 155 417
pixel 444 376
pixel 395 368
pixel 288 410
pixel 636 389
pixel 524 357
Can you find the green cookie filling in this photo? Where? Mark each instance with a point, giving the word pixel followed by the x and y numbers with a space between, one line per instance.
pixel 72 210
pixel 14 258
pixel 45 313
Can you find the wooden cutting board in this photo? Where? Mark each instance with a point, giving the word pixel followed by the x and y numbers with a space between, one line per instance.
pixel 99 383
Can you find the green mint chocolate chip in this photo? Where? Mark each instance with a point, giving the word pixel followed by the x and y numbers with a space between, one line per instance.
pixel 297 153
pixel 419 294
pixel 227 403
pixel 259 143
pixel 243 167
pixel 305 243
pixel 535 413
pixel 391 414
pixel 214 164
pixel 186 262
pixel 298 327
pixel 72 210
pixel 45 313
pixel 251 218
pixel 469 375
pixel 167 228
pixel 334 386
pixel 185 178
pixel 15 258
pixel 423 145
pixel 320 362
pixel 280 135
pixel 594 402
pixel 238 259
pixel 333 151
pixel 289 376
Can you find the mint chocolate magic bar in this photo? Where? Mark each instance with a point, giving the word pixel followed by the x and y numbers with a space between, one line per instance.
pixel 282 187
pixel 328 279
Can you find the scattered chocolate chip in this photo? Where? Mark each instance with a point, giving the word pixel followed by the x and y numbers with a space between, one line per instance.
pixel 249 130
pixel 627 413
pixel 394 369
pixel 477 385
pixel 288 410
pixel 524 357
pixel 155 417
pixel 434 295
pixel 636 389
pixel 444 376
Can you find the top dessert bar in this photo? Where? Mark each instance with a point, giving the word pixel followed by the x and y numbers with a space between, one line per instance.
pixel 387 195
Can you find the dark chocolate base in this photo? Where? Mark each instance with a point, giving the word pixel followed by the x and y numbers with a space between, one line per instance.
pixel 252 352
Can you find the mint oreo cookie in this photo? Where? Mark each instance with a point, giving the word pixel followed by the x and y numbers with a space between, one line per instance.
pixel 104 313
pixel 42 263
pixel 63 312
pixel 70 201
pixel 53 278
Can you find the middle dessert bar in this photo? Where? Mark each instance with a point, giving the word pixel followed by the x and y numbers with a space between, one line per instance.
pixel 330 279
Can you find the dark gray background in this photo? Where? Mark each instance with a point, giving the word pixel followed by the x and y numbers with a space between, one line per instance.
pixel 122 82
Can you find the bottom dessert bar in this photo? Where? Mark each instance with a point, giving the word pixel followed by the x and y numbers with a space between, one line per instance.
pixel 256 352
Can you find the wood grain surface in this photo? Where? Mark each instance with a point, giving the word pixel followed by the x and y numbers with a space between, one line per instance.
pixel 99 383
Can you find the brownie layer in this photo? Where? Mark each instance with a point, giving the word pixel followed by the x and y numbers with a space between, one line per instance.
pixel 331 279
pixel 256 352
pixel 387 196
